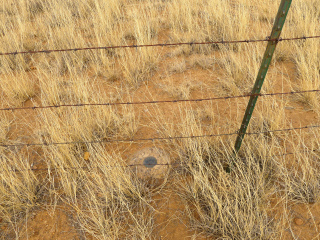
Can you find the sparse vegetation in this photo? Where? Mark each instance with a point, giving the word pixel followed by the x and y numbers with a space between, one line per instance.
pixel 273 174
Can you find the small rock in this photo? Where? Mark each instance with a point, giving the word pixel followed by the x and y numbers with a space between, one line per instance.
pixel 86 156
pixel 298 221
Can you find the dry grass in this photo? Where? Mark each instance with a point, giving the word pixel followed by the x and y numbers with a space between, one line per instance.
pixel 110 202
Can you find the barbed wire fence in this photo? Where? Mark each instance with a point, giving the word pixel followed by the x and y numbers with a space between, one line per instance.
pixel 174 164
pixel 267 39
pixel 155 101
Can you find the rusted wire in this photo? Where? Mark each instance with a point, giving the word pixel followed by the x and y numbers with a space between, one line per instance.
pixel 151 139
pixel 157 45
pixel 155 102
pixel 126 166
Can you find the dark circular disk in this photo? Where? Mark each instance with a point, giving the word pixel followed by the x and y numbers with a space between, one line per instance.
pixel 150 162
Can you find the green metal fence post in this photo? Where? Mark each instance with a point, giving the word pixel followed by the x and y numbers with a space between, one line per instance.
pixel 274 37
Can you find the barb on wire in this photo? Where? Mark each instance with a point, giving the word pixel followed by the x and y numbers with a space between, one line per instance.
pixel 152 139
pixel 154 102
pixel 157 45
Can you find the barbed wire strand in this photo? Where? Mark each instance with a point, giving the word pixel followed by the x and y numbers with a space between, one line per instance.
pixel 152 139
pixel 158 45
pixel 155 102
pixel 86 167
pixel 130 165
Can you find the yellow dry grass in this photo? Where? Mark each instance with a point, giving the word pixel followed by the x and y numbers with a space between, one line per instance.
pixel 107 202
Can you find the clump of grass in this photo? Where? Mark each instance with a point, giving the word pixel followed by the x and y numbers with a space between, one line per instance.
pixel 18 88
pixel 64 90
pixel 113 203
pixel 203 62
pixel 186 18
pixel 4 127
pixel 36 7
pixel 107 200
pixel 227 205
pixel 239 75
pixel 19 189
pixel 300 179
pixel 78 125
pixel 217 202
pixel 270 115
pixel 308 73
pixel 180 90
pixel 138 65
pixel 178 67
